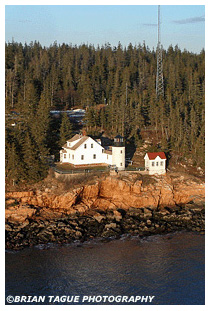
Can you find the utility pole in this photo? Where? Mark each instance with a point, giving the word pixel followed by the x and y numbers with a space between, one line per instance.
pixel 123 120
pixel 126 94
pixel 159 77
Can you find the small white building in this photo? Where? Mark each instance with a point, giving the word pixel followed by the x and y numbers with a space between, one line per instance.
pixel 155 163
pixel 84 150
pixel 118 152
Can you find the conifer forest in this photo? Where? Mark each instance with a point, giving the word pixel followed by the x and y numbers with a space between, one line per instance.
pixel 116 86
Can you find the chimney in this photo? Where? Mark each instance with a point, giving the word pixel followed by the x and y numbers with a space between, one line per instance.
pixel 84 133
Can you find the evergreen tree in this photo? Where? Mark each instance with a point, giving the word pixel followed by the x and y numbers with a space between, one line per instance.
pixel 13 168
pixel 38 79
pixel 32 168
pixel 65 129
pixel 40 127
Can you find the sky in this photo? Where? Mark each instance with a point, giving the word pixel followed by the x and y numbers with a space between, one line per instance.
pixel 182 25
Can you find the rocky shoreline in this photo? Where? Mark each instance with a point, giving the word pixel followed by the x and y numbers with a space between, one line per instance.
pixel 104 210
pixel 141 222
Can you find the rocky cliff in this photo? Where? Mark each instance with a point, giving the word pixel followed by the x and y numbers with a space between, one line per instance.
pixel 112 206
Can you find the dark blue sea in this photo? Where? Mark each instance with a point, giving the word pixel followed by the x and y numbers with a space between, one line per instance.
pixel 169 267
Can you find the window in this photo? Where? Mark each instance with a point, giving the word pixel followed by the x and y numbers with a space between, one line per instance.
pixel 157 163
pixel 82 157
pixel 153 163
pixel 102 150
pixel 94 156
pixel 120 151
pixel 161 163
pixel 107 157
pixel 73 156
pixel 121 164
pixel 84 146
pixel 64 155
pixel 69 156
pixel 91 145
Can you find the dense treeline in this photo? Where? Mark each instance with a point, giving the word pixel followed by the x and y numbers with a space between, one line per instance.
pixel 116 86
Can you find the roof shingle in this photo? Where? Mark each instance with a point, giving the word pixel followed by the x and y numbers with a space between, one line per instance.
pixel 80 142
pixel 153 155
pixel 75 137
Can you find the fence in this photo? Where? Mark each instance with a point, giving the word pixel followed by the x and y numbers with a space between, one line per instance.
pixel 87 171
pixel 78 171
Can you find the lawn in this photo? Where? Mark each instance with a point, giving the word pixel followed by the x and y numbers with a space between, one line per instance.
pixel 67 167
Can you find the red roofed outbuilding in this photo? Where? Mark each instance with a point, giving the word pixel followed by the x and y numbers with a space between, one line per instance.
pixel 155 163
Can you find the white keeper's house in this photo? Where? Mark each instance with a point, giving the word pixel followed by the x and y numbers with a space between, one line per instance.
pixel 155 163
pixel 84 150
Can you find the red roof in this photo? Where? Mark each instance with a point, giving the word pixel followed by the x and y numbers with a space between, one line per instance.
pixel 153 155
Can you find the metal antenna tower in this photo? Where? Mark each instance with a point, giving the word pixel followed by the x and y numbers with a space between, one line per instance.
pixel 159 77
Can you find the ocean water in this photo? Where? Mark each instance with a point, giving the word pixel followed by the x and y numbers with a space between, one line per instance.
pixel 169 267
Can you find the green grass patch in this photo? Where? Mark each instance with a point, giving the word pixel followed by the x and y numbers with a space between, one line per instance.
pixel 67 167
pixel 134 168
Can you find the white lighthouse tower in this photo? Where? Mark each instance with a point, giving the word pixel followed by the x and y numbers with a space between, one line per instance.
pixel 118 152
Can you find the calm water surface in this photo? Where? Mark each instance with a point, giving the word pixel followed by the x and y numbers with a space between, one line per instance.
pixel 169 267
